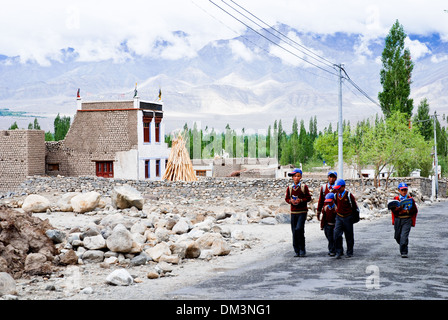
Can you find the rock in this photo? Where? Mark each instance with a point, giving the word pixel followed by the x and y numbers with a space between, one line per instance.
pixel 35 203
pixel 85 202
pixel 56 236
pixel 152 275
pixel 206 241
pixel 7 284
pixel 120 277
pixel 68 258
pixel 192 250
pixel 64 203
pixel 93 256
pixel 94 242
pixel 220 248
pixel 182 226
pixel 37 264
pixel 126 197
pixel 120 240
pixel 158 250
pixel 269 220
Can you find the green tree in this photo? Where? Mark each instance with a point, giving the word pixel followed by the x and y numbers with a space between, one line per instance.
pixel 61 127
pixel 395 75
pixel 423 121
pixel 14 126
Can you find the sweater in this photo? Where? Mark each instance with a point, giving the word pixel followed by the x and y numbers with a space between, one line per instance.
pixel 305 196
pixel 344 209
pixel 324 190
pixel 328 216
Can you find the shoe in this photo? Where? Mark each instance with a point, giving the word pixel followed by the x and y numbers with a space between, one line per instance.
pixel 404 255
pixel 332 254
pixel 338 256
pixel 349 256
pixel 296 255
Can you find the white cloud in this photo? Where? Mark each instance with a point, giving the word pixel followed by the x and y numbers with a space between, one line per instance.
pixel 38 30
pixel 418 49
pixel 439 58
pixel 241 51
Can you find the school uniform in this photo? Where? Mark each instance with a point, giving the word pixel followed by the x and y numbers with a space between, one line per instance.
pixel 298 215
pixel 324 190
pixel 403 221
pixel 344 222
pixel 327 224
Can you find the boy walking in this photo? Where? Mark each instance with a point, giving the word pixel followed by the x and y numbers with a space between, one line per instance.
pixel 324 190
pixel 328 222
pixel 345 206
pixel 298 196
pixel 403 218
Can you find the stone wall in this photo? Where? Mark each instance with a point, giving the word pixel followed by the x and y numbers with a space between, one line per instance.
pixel 209 188
pixel 22 153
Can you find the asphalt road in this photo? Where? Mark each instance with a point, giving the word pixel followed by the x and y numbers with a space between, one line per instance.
pixel 376 271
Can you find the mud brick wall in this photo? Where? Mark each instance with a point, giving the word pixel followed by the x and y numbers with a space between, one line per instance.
pixel 22 153
pixel 93 136
pixel 107 105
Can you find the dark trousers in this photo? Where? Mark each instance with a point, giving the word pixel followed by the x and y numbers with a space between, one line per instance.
pixel 344 226
pixel 402 228
pixel 329 233
pixel 298 232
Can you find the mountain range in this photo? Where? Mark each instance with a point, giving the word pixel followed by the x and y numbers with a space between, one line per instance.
pixel 246 82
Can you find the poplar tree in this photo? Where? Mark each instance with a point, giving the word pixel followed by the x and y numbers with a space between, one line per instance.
pixel 395 75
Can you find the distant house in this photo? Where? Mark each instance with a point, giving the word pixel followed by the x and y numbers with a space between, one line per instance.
pixel 112 139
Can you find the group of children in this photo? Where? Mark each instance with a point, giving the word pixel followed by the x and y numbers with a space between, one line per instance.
pixel 339 212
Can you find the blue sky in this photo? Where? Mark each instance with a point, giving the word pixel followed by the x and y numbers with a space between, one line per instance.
pixel 97 30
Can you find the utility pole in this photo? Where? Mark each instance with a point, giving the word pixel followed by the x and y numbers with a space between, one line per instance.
pixel 436 162
pixel 340 129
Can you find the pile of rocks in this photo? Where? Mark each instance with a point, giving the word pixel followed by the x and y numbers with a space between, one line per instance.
pixel 127 231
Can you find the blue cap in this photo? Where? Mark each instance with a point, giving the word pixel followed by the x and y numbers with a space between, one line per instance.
pixel 329 197
pixel 296 170
pixel 402 186
pixel 339 183
pixel 333 173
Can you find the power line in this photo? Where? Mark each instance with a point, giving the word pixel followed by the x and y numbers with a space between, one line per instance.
pixel 253 43
pixel 273 42
pixel 318 58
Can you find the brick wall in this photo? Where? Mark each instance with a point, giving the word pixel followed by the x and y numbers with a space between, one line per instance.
pixel 22 153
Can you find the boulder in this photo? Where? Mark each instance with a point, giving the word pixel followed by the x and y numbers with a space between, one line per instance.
pixel 123 197
pixel 64 203
pixel 94 242
pixel 120 277
pixel 7 284
pixel 93 256
pixel 85 202
pixel 35 203
pixel 37 264
pixel 159 250
pixel 120 240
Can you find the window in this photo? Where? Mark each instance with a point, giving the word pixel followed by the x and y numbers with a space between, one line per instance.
pixel 146 132
pixel 105 169
pixel 157 131
pixel 201 173
pixel 147 175
pixel 53 167
pixel 158 168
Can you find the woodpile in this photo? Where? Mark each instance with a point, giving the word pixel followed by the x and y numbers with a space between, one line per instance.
pixel 179 165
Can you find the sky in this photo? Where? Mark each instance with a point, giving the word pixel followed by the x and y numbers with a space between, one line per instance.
pixel 37 31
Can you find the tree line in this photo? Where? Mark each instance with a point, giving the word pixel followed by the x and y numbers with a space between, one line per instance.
pixel 61 127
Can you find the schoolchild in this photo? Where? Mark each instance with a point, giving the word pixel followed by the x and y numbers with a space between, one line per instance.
pixel 345 207
pixel 403 218
pixel 324 190
pixel 298 195
pixel 328 222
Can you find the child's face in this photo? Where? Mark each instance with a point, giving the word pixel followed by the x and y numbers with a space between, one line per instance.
pixel 331 179
pixel 403 192
pixel 296 178
pixel 341 189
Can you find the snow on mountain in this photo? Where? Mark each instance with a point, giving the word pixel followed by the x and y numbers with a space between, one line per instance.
pixel 245 82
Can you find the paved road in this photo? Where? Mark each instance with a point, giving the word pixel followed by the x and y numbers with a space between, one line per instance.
pixel 376 271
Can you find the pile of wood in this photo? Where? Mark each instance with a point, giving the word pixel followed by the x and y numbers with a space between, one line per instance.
pixel 179 165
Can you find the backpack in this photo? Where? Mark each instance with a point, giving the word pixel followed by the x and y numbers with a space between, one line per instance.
pixel 355 210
